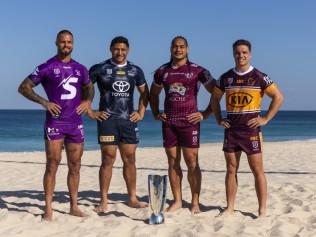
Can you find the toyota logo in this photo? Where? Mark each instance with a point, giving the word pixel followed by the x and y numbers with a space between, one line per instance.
pixel 121 86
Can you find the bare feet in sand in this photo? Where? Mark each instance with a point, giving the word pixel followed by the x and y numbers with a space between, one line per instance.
pixel 102 208
pixel 226 212
pixel 175 206
pixel 77 212
pixel 195 209
pixel 137 204
pixel 48 215
pixel 262 213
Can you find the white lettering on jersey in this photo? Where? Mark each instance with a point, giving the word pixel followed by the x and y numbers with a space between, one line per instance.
pixel 35 72
pixel 267 80
pixel 68 87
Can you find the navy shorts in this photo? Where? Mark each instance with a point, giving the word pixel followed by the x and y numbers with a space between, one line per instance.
pixel 116 131
pixel 247 140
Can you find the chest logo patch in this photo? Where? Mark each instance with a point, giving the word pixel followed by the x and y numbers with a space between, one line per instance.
pixel 121 86
pixel 177 88
pixel 239 99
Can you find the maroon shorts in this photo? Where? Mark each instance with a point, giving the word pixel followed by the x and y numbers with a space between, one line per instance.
pixel 70 133
pixel 247 140
pixel 184 135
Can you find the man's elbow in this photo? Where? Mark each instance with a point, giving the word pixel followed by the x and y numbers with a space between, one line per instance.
pixel 280 98
pixel 21 89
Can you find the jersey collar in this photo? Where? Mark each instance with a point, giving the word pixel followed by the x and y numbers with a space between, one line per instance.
pixel 118 65
pixel 243 73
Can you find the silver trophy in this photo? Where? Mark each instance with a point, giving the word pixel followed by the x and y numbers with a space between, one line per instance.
pixel 157 189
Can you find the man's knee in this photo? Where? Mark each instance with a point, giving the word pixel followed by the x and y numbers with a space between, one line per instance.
pixel 232 168
pixel 174 162
pixel 107 159
pixel 52 166
pixel 74 167
pixel 191 160
pixel 129 159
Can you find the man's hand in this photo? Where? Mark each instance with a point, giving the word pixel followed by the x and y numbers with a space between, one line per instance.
pixel 225 123
pixel 161 116
pixel 195 117
pixel 135 117
pixel 83 107
pixel 98 115
pixel 53 108
pixel 257 122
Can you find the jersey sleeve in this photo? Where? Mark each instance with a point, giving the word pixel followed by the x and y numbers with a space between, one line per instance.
pixel 93 73
pixel 85 76
pixel 38 74
pixel 140 79
pixel 205 77
pixel 158 77
pixel 266 83
pixel 219 88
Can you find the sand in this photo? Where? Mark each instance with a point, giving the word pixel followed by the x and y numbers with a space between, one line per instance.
pixel 290 169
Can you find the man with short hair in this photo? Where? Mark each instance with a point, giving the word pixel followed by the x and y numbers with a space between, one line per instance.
pixel 117 121
pixel 181 119
pixel 244 86
pixel 69 94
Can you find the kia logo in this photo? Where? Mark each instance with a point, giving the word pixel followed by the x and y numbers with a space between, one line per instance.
pixel 121 86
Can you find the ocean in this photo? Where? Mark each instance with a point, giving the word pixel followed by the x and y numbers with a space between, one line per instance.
pixel 22 130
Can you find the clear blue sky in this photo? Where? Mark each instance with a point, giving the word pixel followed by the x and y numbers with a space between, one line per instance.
pixel 283 34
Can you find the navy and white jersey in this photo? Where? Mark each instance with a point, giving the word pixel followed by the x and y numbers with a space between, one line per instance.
pixel 116 84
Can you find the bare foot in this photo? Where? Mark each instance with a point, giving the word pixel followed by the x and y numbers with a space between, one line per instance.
pixel 102 208
pixel 226 212
pixel 77 212
pixel 47 216
pixel 175 206
pixel 262 213
pixel 195 209
pixel 137 204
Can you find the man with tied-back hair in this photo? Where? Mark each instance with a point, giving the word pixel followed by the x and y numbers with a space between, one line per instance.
pixel 180 119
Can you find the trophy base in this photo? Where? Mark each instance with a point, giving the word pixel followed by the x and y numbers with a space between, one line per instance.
pixel 156 219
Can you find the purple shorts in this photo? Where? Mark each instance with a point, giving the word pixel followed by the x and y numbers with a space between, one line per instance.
pixel 71 133
pixel 247 140
pixel 184 135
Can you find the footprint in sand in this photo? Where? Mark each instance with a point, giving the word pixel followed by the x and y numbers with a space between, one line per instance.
pixel 218 224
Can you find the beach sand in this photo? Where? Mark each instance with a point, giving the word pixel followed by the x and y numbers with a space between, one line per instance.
pixel 290 169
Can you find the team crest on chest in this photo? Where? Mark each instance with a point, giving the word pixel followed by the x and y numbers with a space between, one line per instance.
pixel 230 81
pixel 77 73
pixel 56 71
pixel 189 75
pixel 177 88
pixel 132 72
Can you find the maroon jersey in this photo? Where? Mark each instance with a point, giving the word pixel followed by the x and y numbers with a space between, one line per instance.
pixel 244 92
pixel 181 85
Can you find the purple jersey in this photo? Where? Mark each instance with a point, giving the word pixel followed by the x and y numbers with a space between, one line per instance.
pixel 181 86
pixel 62 83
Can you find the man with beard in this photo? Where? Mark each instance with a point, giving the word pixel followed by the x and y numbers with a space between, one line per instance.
pixel 69 95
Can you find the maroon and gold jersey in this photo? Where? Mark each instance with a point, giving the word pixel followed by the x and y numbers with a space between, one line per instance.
pixel 244 92
pixel 181 86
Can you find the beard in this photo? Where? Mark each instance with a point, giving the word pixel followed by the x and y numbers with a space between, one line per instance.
pixel 65 51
